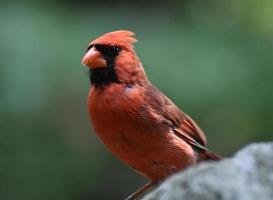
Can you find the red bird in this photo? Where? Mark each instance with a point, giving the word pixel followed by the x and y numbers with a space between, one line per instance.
pixel 138 124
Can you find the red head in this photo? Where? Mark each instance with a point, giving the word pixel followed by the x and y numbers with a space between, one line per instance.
pixel 111 58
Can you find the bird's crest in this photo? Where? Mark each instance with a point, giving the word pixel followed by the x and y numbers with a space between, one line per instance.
pixel 122 38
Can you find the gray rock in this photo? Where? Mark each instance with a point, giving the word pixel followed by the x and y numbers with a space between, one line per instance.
pixel 246 176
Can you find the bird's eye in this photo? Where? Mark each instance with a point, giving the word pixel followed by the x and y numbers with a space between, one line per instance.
pixel 115 49
pixel 108 51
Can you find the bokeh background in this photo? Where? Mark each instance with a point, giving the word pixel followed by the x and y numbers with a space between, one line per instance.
pixel 212 58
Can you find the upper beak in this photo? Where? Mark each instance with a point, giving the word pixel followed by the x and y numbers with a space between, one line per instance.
pixel 94 59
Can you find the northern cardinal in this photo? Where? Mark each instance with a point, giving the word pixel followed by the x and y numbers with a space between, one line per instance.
pixel 138 124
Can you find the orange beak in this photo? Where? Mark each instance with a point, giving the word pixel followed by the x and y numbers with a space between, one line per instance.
pixel 94 59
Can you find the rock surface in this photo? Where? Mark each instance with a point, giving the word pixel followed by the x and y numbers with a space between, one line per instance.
pixel 246 176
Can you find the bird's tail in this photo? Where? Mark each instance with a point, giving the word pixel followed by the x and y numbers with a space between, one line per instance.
pixel 208 155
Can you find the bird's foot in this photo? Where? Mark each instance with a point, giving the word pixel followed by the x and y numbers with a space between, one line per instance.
pixel 141 191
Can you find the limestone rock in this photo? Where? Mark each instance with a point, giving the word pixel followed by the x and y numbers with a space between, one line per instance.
pixel 246 176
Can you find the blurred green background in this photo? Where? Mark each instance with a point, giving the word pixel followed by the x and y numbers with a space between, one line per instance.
pixel 212 58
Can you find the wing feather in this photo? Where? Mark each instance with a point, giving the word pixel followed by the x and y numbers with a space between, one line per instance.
pixel 180 123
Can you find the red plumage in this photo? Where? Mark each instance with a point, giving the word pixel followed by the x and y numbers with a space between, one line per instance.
pixel 138 124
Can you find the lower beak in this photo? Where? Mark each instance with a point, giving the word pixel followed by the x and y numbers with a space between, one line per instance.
pixel 94 59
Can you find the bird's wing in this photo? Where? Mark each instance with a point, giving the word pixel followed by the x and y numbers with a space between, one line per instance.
pixel 180 123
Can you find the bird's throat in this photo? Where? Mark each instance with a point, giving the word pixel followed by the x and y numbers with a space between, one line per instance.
pixel 102 77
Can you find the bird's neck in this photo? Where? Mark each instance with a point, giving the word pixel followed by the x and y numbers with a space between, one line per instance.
pixel 130 71
pixel 102 77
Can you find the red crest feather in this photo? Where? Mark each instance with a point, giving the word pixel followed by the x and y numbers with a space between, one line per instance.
pixel 122 38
